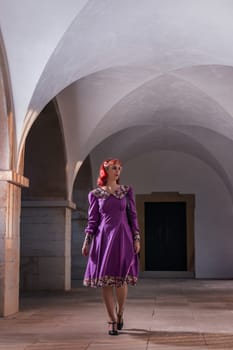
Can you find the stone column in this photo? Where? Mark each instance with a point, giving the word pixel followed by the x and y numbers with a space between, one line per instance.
pixel 46 245
pixel 10 196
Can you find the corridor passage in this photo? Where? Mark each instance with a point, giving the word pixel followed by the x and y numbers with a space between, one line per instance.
pixel 161 314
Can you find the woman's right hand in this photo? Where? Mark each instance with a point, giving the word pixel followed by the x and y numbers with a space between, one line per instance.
pixel 86 244
pixel 85 249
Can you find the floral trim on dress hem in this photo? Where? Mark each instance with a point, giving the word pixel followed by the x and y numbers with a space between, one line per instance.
pixel 109 281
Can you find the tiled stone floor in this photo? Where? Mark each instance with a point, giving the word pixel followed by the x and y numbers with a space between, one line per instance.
pixel 160 314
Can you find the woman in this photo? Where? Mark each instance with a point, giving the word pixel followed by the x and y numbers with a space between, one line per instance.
pixel 112 241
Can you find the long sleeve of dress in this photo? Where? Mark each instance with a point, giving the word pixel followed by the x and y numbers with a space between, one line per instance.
pixel 93 215
pixel 133 215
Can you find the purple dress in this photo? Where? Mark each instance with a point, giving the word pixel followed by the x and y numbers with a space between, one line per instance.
pixel 112 260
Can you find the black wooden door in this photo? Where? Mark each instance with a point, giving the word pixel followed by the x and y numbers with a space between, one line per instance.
pixel 165 236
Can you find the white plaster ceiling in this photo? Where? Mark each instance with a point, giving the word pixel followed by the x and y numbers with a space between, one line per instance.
pixel 162 69
pixel 199 142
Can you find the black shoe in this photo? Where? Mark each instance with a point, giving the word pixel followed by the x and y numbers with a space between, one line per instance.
pixel 113 330
pixel 120 322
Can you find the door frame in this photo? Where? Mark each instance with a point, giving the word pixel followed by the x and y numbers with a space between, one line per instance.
pixel 189 199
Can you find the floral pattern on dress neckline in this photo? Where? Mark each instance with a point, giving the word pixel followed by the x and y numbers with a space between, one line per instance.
pixel 121 192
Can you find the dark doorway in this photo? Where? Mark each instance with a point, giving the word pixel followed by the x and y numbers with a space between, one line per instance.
pixel 165 236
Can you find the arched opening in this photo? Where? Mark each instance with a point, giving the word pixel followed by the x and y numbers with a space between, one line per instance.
pixel 195 161
pixel 45 222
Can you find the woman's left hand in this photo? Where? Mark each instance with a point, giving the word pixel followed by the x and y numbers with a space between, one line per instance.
pixel 137 246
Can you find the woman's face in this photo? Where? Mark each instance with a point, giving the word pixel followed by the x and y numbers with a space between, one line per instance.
pixel 114 171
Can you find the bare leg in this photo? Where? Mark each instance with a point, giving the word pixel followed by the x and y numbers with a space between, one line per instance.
pixel 109 302
pixel 121 294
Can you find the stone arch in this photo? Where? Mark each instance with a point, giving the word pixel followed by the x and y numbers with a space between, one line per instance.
pixel 46 212
pixel 7 130
pixel 45 157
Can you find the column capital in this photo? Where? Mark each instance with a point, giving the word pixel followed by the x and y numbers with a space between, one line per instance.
pixel 14 178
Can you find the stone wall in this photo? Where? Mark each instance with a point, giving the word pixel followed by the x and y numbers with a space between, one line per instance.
pixel 45 245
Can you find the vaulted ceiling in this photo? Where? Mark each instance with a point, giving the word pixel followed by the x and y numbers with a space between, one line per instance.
pixel 129 76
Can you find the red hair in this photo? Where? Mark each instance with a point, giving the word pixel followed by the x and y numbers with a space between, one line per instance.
pixel 103 174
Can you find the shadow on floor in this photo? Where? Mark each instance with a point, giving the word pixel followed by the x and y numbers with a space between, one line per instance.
pixel 188 339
